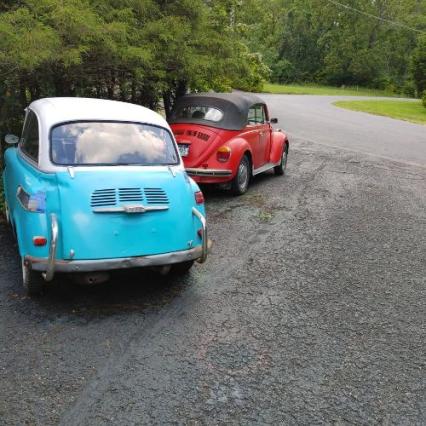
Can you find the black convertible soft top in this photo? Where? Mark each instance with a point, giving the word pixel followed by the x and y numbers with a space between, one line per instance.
pixel 234 106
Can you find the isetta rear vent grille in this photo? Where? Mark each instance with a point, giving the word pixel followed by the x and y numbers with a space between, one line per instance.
pixel 126 195
pixel 155 196
pixel 116 197
pixel 104 197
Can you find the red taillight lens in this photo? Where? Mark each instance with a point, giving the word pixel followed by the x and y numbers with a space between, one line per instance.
pixel 39 241
pixel 200 233
pixel 199 197
pixel 223 154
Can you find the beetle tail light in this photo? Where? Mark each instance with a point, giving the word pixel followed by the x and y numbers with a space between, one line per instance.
pixel 199 197
pixel 39 241
pixel 223 154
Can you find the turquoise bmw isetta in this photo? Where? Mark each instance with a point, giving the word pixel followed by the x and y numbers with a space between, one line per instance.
pixel 94 185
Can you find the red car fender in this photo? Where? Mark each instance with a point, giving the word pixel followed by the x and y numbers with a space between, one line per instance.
pixel 239 147
pixel 278 142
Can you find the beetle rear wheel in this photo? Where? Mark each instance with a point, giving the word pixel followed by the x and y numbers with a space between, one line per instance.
pixel 239 184
pixel 280 169
pixel 181 268
pixel 32 280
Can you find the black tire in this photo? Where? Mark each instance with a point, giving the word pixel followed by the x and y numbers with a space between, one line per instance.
pixel 240 183
pixel 32 281
pixel 181 268
pixel 280 169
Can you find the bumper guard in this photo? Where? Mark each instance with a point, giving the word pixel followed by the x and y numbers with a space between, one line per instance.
pixel 48 266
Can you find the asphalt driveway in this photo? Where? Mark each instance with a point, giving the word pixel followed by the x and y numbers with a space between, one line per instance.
pixel 316 119
pixel 310 309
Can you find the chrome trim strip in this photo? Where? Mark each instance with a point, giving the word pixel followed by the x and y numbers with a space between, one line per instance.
pixel 265 167
pixel 41 264
pixel 71 172
pixel 130 209
pixel 209 172
pixel 50 270
pixel 202 219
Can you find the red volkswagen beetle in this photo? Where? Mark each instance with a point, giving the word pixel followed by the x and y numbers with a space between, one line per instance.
pixel 227 137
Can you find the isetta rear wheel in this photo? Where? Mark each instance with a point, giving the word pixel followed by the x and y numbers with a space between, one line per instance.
pixel 280 169
pixel 239 184
pixel 181 268
pixel 32 280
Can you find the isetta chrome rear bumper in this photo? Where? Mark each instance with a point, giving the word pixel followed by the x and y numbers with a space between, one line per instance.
pixel 209 172
pixel 48 266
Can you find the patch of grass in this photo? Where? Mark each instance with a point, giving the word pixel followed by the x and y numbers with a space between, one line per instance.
pixel 312 89
pixel 265 216
pixel 412 111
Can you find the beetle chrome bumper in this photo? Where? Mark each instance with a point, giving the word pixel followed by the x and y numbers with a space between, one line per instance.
pixel 209 172
pixel 51 265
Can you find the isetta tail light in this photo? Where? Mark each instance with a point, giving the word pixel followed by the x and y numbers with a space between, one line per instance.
pixel 223 154
pixel 199 197
pixel 39 241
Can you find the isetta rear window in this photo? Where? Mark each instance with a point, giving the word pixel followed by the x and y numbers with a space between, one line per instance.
pixel 112 143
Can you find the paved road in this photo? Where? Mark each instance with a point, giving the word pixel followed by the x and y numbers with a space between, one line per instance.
pixel 311 309
pixel 315 118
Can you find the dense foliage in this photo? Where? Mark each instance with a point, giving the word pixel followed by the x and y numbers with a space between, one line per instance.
pixel 151 51
pixel 325 42
pixel 141 51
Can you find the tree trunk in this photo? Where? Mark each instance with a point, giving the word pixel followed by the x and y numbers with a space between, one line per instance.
pixel 167 99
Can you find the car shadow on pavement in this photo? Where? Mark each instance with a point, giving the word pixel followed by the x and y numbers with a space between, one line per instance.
pixel 127 291
pixel 131 290
pixel 222 191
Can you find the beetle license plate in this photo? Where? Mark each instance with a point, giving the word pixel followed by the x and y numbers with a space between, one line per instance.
pixel 183 150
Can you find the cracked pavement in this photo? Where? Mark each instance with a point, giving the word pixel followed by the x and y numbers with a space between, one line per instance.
pixel 310 309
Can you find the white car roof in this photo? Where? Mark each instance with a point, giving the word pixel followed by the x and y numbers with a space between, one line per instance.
pixel 51 111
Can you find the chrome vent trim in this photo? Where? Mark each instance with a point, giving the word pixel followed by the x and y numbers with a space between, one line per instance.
pixel 103 197
pixel 126 195
pixel 156 196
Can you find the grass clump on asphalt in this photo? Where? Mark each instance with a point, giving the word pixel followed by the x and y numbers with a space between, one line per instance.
pixel 401 110
pixel 298 89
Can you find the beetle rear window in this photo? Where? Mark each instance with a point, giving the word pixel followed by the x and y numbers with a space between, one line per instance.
pixel 199 112
pixel 112 143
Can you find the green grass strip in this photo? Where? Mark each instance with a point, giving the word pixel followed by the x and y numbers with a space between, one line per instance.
pixel 296 89
pixel 412 111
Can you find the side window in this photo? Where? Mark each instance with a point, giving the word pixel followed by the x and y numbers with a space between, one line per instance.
pixel 265 114
pixel 252 115
pixel 256 115
pixel 30 137
pixel 260 114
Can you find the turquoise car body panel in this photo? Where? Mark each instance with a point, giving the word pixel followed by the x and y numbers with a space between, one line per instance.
pixel 85 234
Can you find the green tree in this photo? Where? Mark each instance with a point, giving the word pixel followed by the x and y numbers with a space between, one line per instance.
pixel 142 51
pixel 418 66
